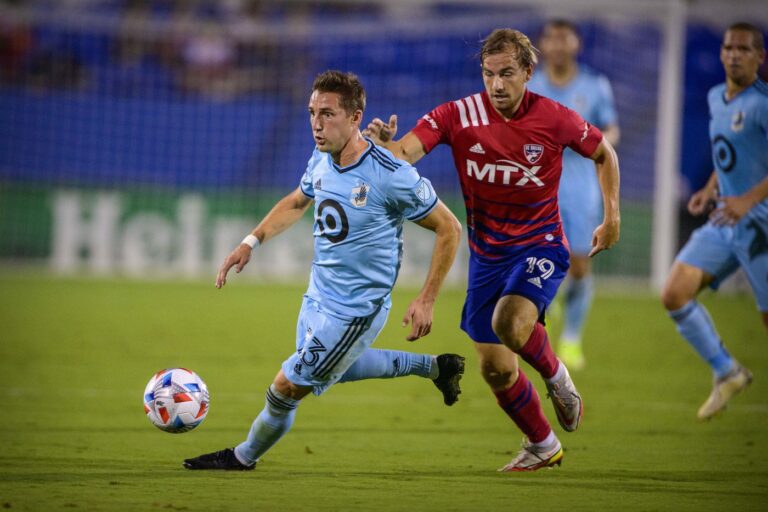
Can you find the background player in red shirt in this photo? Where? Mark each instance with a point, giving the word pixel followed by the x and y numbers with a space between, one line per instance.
pixel 507 145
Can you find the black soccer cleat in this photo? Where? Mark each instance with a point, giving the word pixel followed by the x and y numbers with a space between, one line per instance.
pixel 451 368
pixel 224 459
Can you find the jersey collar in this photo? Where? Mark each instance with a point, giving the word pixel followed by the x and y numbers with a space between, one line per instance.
pixel 525 105
pixel 342 170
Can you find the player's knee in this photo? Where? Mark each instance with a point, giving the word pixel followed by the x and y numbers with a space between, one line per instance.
pixel 286 388
pixel 498 377
pixel 673 298
pixel 765 319
pixel 513 331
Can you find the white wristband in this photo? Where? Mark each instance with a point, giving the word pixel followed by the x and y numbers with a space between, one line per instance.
pixel 251 241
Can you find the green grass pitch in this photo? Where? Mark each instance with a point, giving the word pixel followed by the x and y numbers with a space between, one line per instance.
pixel 75 356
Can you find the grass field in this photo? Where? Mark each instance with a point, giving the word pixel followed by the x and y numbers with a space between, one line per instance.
pixel 75 356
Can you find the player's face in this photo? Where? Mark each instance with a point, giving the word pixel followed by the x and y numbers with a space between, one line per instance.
pixel 505 80
pixel 559 45
pixel 739 57
pixel 332 126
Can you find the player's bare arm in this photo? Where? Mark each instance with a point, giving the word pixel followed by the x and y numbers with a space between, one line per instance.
pixel 607 164
pixel 283 215
pixel 448 231
pixel 732 208
pixel 409 148
pixel 701 201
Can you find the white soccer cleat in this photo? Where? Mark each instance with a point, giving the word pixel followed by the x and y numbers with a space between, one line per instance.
pixel 567 401
pixel 533 457
pixel 722 391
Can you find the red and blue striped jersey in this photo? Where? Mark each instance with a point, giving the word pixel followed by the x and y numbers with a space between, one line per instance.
pixel 509 169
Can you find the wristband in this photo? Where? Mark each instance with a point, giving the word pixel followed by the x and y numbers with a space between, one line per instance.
pixel 251 241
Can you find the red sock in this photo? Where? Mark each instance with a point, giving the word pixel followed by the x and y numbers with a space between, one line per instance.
pixel 521 403
pixel 537 352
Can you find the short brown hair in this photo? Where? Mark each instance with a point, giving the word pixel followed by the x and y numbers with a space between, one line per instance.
pixel 561 23
pixel 758 40
pixel 347 85
pixel 505 39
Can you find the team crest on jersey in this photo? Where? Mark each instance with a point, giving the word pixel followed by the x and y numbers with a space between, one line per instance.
pixel 533 152
pixel 359 195
pixel 737 121
pixel 423 192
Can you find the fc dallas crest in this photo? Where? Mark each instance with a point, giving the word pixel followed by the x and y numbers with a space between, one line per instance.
pixel 533 152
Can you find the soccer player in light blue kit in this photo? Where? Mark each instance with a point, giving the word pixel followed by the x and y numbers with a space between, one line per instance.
pixel 362 196
pixel 578 87
pixel 736 234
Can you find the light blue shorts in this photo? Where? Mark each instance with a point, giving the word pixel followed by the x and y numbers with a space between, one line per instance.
pixel 721 250
pixel 580 210
pixel 327 344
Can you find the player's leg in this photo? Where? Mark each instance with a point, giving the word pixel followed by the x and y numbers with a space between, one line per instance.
pixel 705 260
pixel 515 322
pixel 520 401
pixel 272 423
pixel 444 370
pixel 580 206
pixel 578 296
pixel 274 420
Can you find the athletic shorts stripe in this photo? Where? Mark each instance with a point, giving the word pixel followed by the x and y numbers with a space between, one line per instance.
pixel 351 335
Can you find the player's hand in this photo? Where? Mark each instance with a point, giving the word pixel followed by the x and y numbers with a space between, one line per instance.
pixel 730 210
pixel 701 202
pixel 238 259
pixel 604 237
pixel 381 132
pixel 419 315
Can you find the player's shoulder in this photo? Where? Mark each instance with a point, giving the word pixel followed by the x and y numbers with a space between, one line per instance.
pixel 542 105
pixel 760 88
pixel 716 93
pixel 464 112
pixel 588 72
pixel 594 79
pixel 382 158
pixel 317 158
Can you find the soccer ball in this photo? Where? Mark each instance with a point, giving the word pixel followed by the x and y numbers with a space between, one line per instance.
pixel 176 400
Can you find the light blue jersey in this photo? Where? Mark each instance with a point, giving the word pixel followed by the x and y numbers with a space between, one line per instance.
pixel 359 214
pixel 739 135
pixel 589 94
pixel 738 131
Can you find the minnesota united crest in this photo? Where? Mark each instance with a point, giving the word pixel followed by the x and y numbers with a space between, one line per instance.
pixel 737 121
pixel 359 195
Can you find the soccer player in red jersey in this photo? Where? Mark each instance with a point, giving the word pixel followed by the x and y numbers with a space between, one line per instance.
pixel 507 145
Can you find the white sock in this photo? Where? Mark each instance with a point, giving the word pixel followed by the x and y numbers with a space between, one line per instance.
pixel 558 374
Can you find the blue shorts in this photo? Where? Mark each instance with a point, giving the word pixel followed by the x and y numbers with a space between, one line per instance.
pixel 535 274
pixel 721 250
pixel 327 344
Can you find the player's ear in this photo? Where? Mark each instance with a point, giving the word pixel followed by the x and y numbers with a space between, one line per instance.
pixel 357 117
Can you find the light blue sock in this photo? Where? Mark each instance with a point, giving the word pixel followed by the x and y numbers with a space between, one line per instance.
pixel 272 423
pixel 386 364
pixel 578 300
pixel 695 325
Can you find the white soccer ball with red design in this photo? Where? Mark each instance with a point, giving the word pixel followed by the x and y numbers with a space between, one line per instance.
pixel 176 400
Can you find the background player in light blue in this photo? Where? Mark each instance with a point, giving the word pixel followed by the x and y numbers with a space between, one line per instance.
pixel 362 195
pixel 562 78
pixel 736 234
